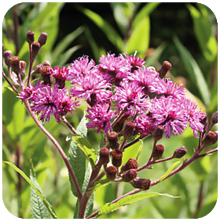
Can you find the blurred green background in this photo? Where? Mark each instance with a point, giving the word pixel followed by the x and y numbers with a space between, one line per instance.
pixel 182 33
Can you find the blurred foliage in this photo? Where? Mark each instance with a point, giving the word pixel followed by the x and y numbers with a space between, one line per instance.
pixel 184 34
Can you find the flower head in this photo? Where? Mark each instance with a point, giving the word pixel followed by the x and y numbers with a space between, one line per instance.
pixel 168 111
pixel 129 97
pixel 80 67
pixel 52 102
pixel 60 74
pixel 135 62
pixel 194 116
pixel 114 69
pixel 91 87
pixel 144 78
pixel 100 116
pixel 167 88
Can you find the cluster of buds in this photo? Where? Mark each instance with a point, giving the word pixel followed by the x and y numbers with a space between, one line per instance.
pixel 35 46
pixel 127 172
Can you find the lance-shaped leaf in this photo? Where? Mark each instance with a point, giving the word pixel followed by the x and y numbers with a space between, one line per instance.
pixel 38 191
pixel 169 171
pixel 194 71
pixel 107 208
pixel 76 157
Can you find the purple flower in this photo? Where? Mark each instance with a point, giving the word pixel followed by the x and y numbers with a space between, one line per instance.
pixel 80 67
pixel 30 92
pixel 92 87
pixel 135 62
pixel 60 74
pixel 144 78
pixel 194 116
pixel 168 111
pixel 129 97
pixel 145 124
pixel 52 102
pixel 167 88
pixel 114 69
pixel 100 116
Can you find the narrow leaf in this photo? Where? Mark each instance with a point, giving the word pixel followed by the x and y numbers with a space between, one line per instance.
pixel 60 48
pixel 155 56
pixel 169 171
pixel 109 31
pixel 47 205
pixel 140 149
pixel 63 58
pixel 107 208
pixel 194 71
pixel 145 11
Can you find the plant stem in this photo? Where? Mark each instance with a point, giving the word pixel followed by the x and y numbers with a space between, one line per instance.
pixel 11 85
pixel 64 120
pixel 83 202
pixel 30 65
pixel 54 141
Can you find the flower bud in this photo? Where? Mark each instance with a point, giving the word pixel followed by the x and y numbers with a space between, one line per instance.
pixel 35 49
pixel 30 37
pixel 158 133
pixel 116 157
pixel 111 172
pixel 104 155
pixel 129 175
pixel 15 63
pixel 180 152
pixel 158 152
pixel 210 139
pixel 164 69
pixel 23 66
pixel 113 142
pixel 46 75
pixel 130 130
pixel 131 164
pixel 37 68
pixel 215 118
pixel 7 57
pixel 42 39
pixel 140 183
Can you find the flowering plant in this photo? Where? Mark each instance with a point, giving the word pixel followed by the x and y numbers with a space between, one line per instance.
pixel 126 102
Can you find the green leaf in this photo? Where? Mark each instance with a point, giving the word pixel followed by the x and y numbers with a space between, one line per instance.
pixel 145 11
pixel 140 149
pixel 82 128
pixel 203 32
pixel 109 31
pixel 107 208
pixel 76 157
pixel 155 56
pixel 194 71
pixel 45 202
pixel 38 209
pixel 63 58
pixel 169 171
pixel 140 36
pixel 88 151
pixel 60 48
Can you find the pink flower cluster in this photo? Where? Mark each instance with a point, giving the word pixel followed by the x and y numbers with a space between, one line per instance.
pixel 118 86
